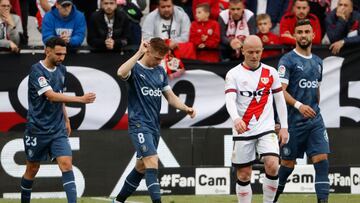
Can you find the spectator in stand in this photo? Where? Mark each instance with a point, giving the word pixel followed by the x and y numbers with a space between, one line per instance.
pixel 300 10
pixel 187 6
pixel 263 22
pixel 167 22
pixel 205 34
pixel 275 8
pixel 66 22
pixel 109 28
pixel 10 28
pixel 319 8
pixel 43 6
pixel 236 23
pixel 214 7
pixel 342 26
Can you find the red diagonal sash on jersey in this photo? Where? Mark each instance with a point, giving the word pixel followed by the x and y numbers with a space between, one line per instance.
pixel 256 108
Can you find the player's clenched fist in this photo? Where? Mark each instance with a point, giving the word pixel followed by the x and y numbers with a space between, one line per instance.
pixel 88 98
pixel 191 112
pixel 240 125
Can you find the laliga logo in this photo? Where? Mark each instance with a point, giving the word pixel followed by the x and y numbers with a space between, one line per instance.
pixel 153 93
pixel 303 83
pixel 107 90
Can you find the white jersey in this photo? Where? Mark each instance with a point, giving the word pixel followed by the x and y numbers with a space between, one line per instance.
pixel 254 97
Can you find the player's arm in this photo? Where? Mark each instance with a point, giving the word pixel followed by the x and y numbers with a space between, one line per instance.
pixel 282 114
pixel 304 109
pixel 230 102
pixel 59 97
pixel 124 70
pixel 174 101
pixel 67 121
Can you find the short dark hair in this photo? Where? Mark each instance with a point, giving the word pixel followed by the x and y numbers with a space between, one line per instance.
pixel 159 45
pixel 293 4
pixel 55 41
pixel 204 6
pixel 303 22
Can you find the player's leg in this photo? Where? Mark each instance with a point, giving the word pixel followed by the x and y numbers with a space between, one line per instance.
pixel 132 181
pixel 151 172
pixel 27 180
pixel 68 178
pixel 243 186
pixel 242 159
pixel 268 148
pixel 61 151
pixel 36 150
pixel 289 152
pixel 322 184
pixel 318 149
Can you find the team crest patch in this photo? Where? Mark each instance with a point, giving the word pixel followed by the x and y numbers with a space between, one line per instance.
pixel 264 80
pixel 161 78
pixel 210 31
pixel 42 81
pixel 286 151
pixel 281 71
pixel 30 153
pixel 144 148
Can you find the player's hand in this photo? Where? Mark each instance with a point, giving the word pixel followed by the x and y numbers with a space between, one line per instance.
pixel 191 112
pixel 202 45
pixel 277 128
pixel 336 46
pixel 283 136
pixel 68 126
pixel 240 126
pixel 88 98
pixel 144 46
pixel 14 47
pixel 307 111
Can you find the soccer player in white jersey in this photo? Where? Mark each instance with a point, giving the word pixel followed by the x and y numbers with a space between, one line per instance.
pixel 249 91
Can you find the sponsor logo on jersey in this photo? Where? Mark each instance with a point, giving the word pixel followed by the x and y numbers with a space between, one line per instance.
pixel 303 83
pixel 42 81
pixel 142 76
pixel 153 93
pixel 281 71
pixel 300 67
pixel 264 80
pixel 260 92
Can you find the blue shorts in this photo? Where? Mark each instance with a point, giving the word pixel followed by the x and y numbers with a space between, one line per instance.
pixel 41 147
pixel 145 142
pixel 311 138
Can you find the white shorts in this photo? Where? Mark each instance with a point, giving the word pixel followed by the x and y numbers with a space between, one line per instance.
pixel 244 151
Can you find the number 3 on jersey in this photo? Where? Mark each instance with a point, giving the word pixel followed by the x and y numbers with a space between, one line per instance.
pixel 141 138
pixel 30 141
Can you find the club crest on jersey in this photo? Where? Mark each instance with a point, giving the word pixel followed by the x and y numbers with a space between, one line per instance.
pixel 264 80
pixel 161 77
pixel 30 153
pixel 281 71
pixel 42 81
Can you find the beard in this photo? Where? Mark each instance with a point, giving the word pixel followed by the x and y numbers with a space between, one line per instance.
pixel 303 46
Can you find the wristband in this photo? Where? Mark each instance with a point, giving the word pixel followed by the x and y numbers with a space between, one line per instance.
pixel 297 104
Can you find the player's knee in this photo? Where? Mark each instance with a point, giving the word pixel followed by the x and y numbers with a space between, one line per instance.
pixel 65 166
pixel 31 171
pixel 288 163
pixel 319 157
pixel 271 167
pixel 244 174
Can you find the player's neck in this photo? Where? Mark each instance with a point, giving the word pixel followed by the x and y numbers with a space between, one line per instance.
pixel 144 61
pixel 305 52
pixel 48 64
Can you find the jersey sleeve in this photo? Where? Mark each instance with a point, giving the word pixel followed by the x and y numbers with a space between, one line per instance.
pixel 276 86
pixel 39 82
pixel 284 69
pixel 230 83
pixel 321 68
pixel 165 85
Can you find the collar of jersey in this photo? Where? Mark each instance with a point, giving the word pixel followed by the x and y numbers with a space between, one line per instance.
pixel 306 57
pixel 48 69
pixel 145 67
pixel 250 69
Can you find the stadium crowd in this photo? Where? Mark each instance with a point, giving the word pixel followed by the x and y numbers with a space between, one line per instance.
pixel 207 30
